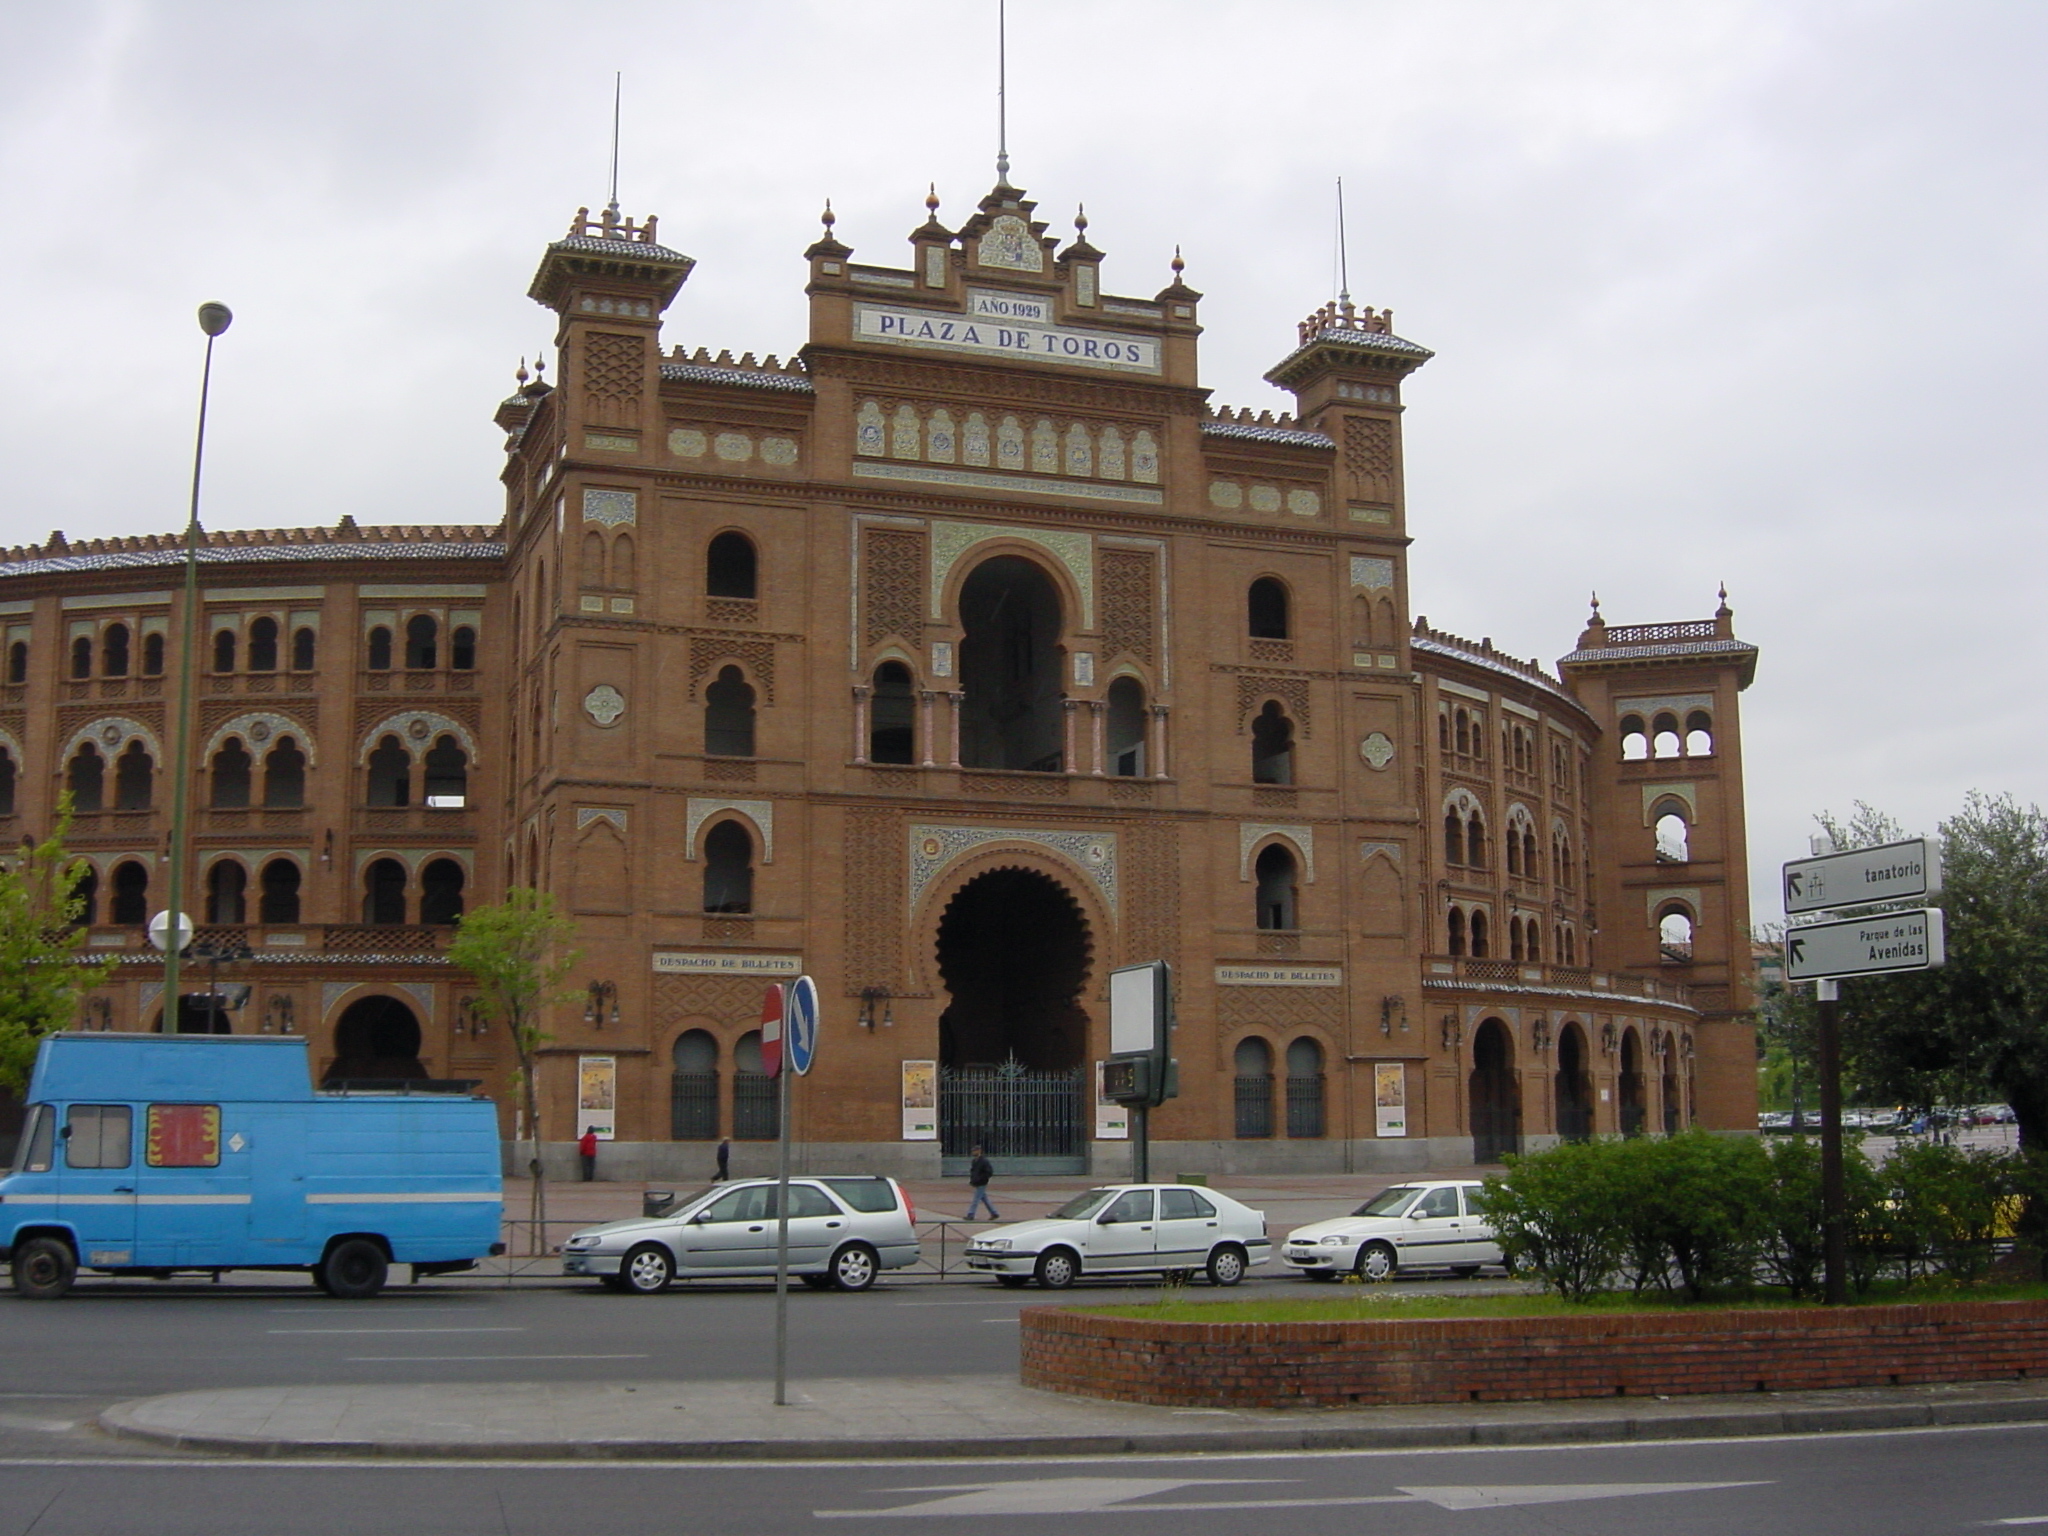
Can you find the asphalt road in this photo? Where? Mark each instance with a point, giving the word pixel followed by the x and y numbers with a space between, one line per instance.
pixel 1911 1483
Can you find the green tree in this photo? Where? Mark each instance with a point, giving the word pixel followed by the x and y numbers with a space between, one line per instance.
pixel 516 950
pixel 43 972
pixel 1978 1026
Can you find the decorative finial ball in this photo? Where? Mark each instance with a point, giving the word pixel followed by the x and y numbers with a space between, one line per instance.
pixel 522 374
pixel 1081 218
pixel 1179 266
pixel 931 198
pixel 828 218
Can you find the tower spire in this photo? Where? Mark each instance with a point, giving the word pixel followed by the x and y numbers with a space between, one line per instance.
pixel 1002 98
pixel 618 88
pixel 1343 254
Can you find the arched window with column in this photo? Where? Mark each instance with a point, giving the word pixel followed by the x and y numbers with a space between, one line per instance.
pixel 278 892
pixel 462 648
pixel 86 777
pixel 447 775
pixel 422 643
pixel 1304 1088
pixel 1124 729
pixel 1675 934
pixel 8 773
pixel 441 883
pixel 1699 734
pixel 130 904
pixel 229 776
pixel 263 645
pixel 1275 873
pixel 1478 927
pixel 81 657
pixel 390 774
pixel 114 651
pixel 87 894
pixel 728 868
pixel 377 654
pixel 1475 840
pixel 227 892
pixel 305 648
pixel 693 1087
pixel 134 778
pixel 284 776
pixel 1673 835
pixel 384 892
pixel 153 655
pixel 892 716
pixel 226 643
pixel 1454 931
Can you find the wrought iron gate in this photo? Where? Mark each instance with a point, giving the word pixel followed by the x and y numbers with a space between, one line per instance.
pixel 1029 1122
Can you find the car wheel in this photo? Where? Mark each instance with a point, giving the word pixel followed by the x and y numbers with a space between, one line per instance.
pixel 1057 1268
pixel 43 1269
pixel 854 1267
pixel 1226 1264
pixel 1013 1282
pixel 647 1270
pixel 354 1270
pixel 1376 1261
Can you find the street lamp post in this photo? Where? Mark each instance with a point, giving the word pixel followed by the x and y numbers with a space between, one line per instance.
pixel 213 319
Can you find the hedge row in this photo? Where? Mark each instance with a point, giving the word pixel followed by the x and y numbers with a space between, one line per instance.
pixel 1697 1211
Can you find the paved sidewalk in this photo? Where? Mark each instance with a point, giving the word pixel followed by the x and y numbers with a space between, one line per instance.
pixel 972 1416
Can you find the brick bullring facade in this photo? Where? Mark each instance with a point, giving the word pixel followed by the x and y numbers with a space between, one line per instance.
pixel 964 656
pixel 1455 1360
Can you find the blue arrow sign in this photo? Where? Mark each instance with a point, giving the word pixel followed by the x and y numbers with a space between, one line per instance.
pixel 800 1024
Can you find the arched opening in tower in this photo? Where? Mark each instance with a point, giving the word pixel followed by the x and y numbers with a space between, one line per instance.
pixel 1010 664
pixel 1014 954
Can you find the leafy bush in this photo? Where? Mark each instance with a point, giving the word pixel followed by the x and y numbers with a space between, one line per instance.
pixel 1793 1252
pixel 1946 1206
pixel 1560 1215
pixel 1703 1206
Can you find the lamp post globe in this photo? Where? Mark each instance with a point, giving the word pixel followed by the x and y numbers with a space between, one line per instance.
pixel 215 317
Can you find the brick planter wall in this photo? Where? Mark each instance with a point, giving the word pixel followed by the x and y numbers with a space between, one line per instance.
pixel 1455 1360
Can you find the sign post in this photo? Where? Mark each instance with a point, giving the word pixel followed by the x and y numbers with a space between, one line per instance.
pixel 796 1027
pixel 1878 943
pixel 1140 1072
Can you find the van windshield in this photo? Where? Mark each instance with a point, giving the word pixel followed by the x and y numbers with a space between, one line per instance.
pixel 33 1153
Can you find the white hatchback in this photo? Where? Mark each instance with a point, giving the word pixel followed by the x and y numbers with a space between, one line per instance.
pixel 1127 1229
pixel 1411 1226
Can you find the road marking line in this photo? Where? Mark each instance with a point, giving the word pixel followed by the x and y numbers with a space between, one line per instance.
pixel 2022 1520
pixel 443 1359
pixel 304 1331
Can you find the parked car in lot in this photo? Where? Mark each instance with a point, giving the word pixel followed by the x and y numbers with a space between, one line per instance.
pixel 1410 1226
pixel 1127 1229
pixel 843 1232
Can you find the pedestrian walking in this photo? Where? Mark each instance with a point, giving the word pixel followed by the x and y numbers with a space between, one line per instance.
pixel 978 1174
pixel 724 1163
pixel 587 1150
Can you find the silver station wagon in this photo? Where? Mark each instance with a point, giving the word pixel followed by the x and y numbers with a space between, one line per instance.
pixel 843 1232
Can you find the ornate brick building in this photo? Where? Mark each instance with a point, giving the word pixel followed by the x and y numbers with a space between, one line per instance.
pixel 955 661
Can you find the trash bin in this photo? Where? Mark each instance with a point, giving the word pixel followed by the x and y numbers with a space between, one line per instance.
pixel 656 1202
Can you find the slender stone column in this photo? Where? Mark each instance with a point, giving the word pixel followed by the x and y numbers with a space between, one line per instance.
pixel 860 722
pixel 1068 708
pixel 953 715
pixel 924 714
pixel 1096 710
pixel 1158 715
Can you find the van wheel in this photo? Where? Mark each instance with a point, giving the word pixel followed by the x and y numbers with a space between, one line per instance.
pixel 647 1270
pixel 43 1269
pixel 354 1270
pixel 1226 1264
pixel 854 1267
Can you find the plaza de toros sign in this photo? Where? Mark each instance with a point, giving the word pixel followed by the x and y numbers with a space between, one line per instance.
pixel 1006 326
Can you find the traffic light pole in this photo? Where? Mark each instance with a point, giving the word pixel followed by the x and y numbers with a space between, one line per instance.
pixel 1834 1202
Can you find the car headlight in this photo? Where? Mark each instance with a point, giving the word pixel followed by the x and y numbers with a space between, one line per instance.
pixel 988 1244
pixel 582 1242
pixel 1336 1240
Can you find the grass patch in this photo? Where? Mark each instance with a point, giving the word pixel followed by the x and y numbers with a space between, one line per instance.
pixel 1381 1303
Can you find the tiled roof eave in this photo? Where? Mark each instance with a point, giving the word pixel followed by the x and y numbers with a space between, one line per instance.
pixel 1287 436
pixel 744 378
pixel 1623 654
pixel 254 554
pixel 1496 665
pixel 1530 989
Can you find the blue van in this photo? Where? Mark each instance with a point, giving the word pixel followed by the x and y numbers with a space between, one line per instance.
pixel 144 1154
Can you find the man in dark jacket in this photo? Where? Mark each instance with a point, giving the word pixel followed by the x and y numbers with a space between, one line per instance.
pixel 978 1174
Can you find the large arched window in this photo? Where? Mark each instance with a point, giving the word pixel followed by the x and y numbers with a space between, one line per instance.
pixel 1699 734
pixel 441 885
pixel 1124 726
pixel 730 567
pixel 1266 610
pixel 231 774
pixel 693 1087
pixel 152 655
pixel 284 776
pixel 86 778
pixel 390 774
pixel 892 716
pixel 305 648
pixel 447 775
pixel 1011 667
pixel 225 644
pixel 1454 837
pixel 728 868
pixel 377 656
pixel 384 892
pixel 462 649
pixel 1275 874
pixel 754 1116
pixel 729 716
pixel 130 905
pixel 227 891
pixel 134 778
pixel 1253 1067
pixel 1475 841
pixel 114 651
pixel 1674 935
pixel 1480 948
pixel 263 645
pixel 81 657
pixel 1454 932
pixel 1664 739
pixel 17 662
pixel 87 894
pixel 1272 745
pixel 1673 838
pixel 422 643
pixel 278 901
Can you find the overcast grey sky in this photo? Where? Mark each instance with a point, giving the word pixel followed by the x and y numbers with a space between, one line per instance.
pixel 1733 291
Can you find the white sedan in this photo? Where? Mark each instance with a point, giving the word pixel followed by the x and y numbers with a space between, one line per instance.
pixel 1411 1226
pixel 1127 1229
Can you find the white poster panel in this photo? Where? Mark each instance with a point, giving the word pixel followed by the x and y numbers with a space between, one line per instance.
pixel 1390 1098
pixel 920 1101
pixel 1112 1120
pixel 597 1095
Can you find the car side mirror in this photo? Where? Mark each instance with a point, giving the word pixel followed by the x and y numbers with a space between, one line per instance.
pixel 1107 1219
pixel 700 1218
pixel 1417 1215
